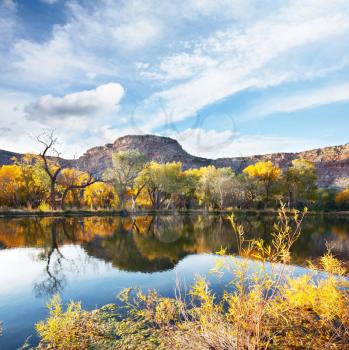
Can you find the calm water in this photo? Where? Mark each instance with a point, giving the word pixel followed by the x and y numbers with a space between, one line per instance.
pixel 92 259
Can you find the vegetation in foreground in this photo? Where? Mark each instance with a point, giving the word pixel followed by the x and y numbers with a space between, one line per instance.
pixel 264 306
pixel 42 182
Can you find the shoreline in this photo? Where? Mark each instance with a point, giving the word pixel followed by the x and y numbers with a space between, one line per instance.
pixel 124 213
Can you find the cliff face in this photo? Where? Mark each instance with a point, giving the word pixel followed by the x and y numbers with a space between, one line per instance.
pixel 6 157
pixel 332 162
pixel 157 148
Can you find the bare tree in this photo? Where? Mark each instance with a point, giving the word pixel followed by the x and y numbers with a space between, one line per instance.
pixel 52 165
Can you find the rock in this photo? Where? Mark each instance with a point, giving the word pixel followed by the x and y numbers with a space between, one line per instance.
pixel 332 163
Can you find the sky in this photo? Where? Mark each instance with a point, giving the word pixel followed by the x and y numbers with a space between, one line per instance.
pixel 223 77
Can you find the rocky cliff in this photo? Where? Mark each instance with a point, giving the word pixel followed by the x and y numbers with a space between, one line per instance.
pixel 157 148
pixel 332 162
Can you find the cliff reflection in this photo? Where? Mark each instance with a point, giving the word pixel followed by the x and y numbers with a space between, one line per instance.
pixel 152 243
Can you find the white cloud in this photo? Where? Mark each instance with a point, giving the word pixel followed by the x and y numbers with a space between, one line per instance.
pixel 49 2
pixel 301 100
pixel 193 54
pixel 250 57
pixel 103 99
pixel 107 37
pixel 180 66
pixel 8 22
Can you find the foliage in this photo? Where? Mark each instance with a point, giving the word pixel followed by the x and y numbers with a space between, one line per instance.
pixel 126 166
pixel 216 187
pixel 266 173
pixel 72 329
pixel 300 182
pixel 160 182
pixel 343 197
pixel 101 195
pixel 21 185
pixel 41 182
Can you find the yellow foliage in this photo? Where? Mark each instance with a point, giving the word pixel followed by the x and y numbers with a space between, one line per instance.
pixel 21 185
pixel 263 171
pixel 343 196
pixel 72 176
pixel 101 195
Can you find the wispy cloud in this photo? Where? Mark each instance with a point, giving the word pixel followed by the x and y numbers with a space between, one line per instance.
pixel 247 58
pixel 301 100
pixel 86 104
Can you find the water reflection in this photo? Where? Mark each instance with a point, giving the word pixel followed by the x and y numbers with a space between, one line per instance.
pixel 152 243
pixel 92 259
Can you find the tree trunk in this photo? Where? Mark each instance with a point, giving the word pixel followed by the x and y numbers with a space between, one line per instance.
pixel 52 195
pixel 65 193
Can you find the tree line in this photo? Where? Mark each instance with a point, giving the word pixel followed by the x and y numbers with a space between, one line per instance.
pixel 132 182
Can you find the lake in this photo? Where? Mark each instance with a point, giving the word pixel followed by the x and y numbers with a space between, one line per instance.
pixel 93 258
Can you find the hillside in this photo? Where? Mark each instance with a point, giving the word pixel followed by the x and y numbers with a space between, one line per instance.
pixel 332 162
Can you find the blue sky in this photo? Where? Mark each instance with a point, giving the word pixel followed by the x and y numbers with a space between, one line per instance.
pixel 223 77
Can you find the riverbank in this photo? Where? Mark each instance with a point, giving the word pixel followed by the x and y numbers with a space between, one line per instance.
pixel 124 213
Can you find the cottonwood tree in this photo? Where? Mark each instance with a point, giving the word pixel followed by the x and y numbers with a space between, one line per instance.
pixel 51 161
pixel 126 166
pixel 73 179
pixel 34 179
pixel 299 182
pixel 342 197
pixel 160 182
pixel 265 173
pixel 216 187
pixel 101 195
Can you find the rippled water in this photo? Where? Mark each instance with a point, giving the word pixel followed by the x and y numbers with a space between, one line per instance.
pixel 92 259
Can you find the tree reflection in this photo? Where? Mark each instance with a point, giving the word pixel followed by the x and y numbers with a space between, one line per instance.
pixel 151 243
pixel 55 280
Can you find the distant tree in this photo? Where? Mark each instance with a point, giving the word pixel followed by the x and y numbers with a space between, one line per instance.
pixel 342 198
pixel 101 195
pixel 247 192
pixel 73 180
pixel 22 183
pixel 190 181
pixel 299 181
pixel 325 199
pixel 160 182
pixel 125 168
pixel 11 185
pixel 35 179
pixel 216 187
pixel 266 173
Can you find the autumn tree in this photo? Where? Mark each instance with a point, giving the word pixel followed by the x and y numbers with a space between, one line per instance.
pixel 160 182
pixel 247 191
pixel 100 195
pixel 299 182
pixel 215 187
pixel 72 180
pixel 11 185
pixel 266 174
pixel 342 197
pixel 190 179
pixel 23 183
pixel 125 168
pixel 34 178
